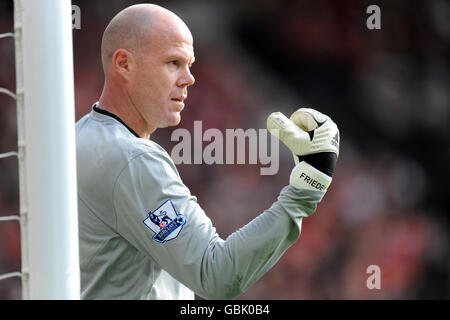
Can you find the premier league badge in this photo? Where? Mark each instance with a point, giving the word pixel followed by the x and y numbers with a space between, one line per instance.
pixel 165 222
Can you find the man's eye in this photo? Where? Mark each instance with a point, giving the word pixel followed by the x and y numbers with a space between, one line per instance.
pixel 174 62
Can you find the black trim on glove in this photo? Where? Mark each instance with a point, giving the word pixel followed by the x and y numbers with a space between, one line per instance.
pixel 322 161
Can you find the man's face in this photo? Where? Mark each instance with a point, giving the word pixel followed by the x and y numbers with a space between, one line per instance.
pixel 162 77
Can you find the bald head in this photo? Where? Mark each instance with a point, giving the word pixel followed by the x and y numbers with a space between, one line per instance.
pixel 135 27
pixel 147 53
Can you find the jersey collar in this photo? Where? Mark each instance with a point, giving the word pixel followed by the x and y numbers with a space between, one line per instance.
pixel 112 115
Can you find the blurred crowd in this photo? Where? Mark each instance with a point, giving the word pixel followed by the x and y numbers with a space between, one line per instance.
pixel 388 91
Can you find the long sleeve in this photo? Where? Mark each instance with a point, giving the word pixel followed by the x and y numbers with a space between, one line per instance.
pixel 193 253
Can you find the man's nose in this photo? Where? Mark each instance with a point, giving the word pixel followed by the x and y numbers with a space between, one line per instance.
pixel 186 80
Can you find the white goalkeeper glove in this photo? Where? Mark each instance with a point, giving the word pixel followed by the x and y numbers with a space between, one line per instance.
pixel 313 139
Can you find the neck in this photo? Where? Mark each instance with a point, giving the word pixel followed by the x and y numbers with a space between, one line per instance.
pixel 118 102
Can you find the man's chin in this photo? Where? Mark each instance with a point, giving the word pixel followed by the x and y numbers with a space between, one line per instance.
pixel 174 120
pixel 176 123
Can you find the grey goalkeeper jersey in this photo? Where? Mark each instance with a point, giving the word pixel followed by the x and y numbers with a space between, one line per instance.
pixel 144 236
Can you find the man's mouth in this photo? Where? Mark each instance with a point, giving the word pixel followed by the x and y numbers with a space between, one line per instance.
pixel 179 99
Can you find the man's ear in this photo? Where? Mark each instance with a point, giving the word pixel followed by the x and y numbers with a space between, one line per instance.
pixel 122 61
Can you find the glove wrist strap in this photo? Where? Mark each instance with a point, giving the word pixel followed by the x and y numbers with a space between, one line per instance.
pixel 305 176
pixel 323 161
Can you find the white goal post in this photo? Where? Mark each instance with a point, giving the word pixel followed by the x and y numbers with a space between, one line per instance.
pixel 46 149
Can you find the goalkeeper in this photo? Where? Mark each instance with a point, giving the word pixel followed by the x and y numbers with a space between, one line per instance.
pixel 142 234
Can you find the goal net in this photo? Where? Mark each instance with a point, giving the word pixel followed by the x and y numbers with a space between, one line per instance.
pixel 46 150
